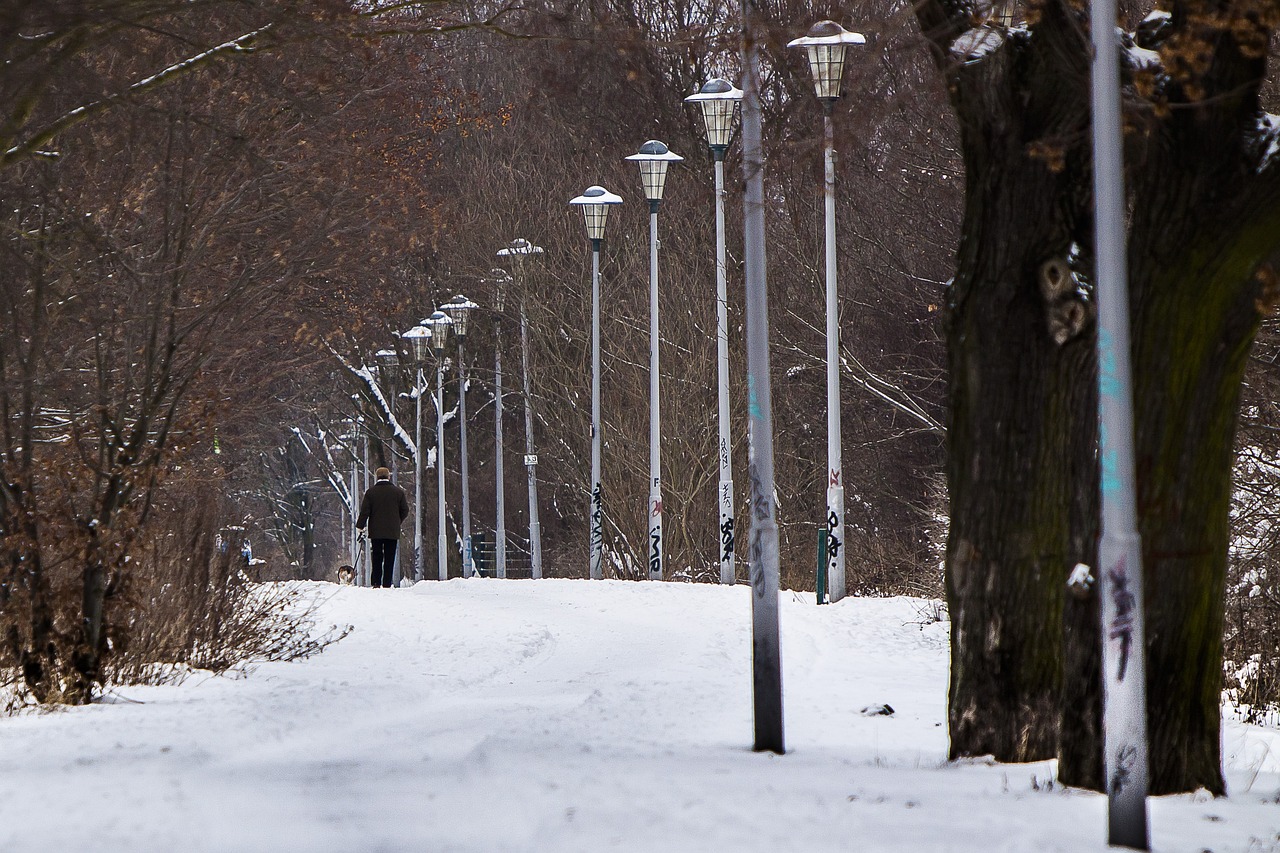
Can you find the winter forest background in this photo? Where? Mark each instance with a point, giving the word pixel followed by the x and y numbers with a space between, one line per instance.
pixel 215 215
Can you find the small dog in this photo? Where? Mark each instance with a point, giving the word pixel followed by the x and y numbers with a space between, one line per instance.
pixel 346 575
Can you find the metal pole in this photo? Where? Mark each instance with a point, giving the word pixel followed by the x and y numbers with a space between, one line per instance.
pixel 1120 549
pixel 596 511
pixel 655 415
pixel 766 656
pixel 442 545
pixel 835 476
pixel 468 559
pixel 530 458
pixel 355 502
pixel 500 508
pixel 368 552
pixel 727 521
pixel 417 480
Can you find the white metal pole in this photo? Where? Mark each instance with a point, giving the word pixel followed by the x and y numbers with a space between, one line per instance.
pixel 365 566
pixel 835 474
pixel 656 554
pixel 417 479
pixel 727 521
pixel 1124 715
pixel 355 503
pixel 596 511
pixel 442 542
pixel 766 649
pixel 530 457
pixel 500 508
pixel 468 560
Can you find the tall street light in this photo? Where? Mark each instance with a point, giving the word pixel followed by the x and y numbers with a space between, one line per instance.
pixel 440 328
pixel 825 44
pixel 595 204
pixel 718 99
pixel 654 157
pixel 1124 697
pixel 766 649
pixel 418 339
pixel 522 252
pixel 500 278
pixel 458 309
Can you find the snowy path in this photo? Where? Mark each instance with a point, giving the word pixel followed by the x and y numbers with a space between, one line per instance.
pixel 570 716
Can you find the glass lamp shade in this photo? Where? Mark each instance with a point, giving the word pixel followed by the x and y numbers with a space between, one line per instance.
pixel 825 43
pixel 441 326
pixel 717 98
pixel 595 203
pixel 387 362
pixel 419 341
pixel 654 157
pixel 459 308
pixel 500 278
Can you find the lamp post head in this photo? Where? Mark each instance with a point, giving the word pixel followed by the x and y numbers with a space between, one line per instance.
pixel 825 44
pixel 441 326
pixel 419 341
pixel 459 308
pixel 654 157
pixel 520 251
pixel 717 98
pixel 500 278
pixel 387 361
pixel 595 202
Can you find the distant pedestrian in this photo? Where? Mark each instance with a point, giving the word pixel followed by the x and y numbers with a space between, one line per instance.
pixel 384 509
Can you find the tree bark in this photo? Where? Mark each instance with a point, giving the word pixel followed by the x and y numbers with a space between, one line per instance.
pixel 1021 367
pixel 1205 213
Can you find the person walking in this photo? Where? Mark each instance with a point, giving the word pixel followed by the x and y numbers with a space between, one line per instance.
pixel 384 508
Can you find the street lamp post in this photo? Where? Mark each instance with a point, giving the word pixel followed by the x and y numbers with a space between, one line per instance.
pixel 458 309
pixel 440 328
pixel 654 157
pixel 349 437
pixel 365 567
pixel 521 251
pixel 762 546
pixel 501 278
pixel 418 340
pixel 1124 697
pixel 825 44
pixel 595 204
pixel 718 99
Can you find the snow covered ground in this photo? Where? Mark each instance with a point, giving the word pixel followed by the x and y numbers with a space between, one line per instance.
pixel 554 715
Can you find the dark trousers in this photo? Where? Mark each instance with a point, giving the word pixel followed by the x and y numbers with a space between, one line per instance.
pixel 383 556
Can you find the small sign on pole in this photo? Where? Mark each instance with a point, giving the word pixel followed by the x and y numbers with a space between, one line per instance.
pixel 531 459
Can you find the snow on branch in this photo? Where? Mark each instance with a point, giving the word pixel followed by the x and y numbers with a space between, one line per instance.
pixel 34 144
pixel 332 475
pixel 366 376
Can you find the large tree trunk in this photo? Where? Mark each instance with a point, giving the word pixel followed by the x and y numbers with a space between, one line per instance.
pixel 1020 357
pixel 1205 212
pixel 1016 395
pixel 1188 362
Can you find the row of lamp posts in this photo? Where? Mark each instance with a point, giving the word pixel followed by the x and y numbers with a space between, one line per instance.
pixel 433 334
pixel 825 44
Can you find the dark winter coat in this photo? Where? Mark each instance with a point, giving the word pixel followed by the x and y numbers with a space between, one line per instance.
pixel 384 509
